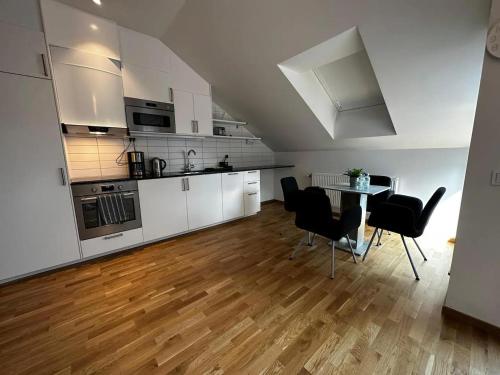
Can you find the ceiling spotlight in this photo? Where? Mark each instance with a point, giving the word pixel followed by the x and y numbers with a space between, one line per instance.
pixel 97 2
pixel 93 26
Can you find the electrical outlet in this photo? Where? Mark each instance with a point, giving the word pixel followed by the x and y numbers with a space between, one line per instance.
pixel 495 177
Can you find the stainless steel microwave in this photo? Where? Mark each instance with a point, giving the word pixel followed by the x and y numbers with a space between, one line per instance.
pixel 149 116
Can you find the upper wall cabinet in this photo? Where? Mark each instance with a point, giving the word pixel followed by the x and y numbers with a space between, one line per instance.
pixel 69 27
pixel 185 78
pixel 24 13
pixel 23 51
pixel 146 67
pixel 144 51
pixel 88 87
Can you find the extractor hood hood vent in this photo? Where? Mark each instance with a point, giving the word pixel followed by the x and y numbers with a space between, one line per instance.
pixel 93 131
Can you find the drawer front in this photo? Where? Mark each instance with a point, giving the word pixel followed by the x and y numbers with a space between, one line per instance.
pixel 252 203
pixel 251 186
pixel 115 241
pixel 252 176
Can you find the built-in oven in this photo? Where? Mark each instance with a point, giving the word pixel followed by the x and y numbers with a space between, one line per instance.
pixel 149 116
pixel 106 208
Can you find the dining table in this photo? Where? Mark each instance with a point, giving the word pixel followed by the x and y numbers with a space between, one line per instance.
pixel 352 197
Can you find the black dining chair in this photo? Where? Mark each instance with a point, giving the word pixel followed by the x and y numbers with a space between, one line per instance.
pixel 374 200
pixel 314 215
pixel 406 216
pixel 290 191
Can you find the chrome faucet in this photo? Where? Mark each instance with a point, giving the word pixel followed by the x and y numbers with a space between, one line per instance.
pixel 188 166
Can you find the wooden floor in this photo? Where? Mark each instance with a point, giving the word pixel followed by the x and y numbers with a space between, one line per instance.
pixel 228 300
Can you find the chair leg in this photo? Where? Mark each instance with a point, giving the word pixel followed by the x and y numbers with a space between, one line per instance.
pixel 379 237
pixel 370 244
pixel 350 247
pixel 333 261
pixel 310 238
pixel 411 260
pixel 298 246
pixel 419 249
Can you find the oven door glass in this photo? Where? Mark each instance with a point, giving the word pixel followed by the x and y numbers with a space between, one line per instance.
pixel 107 213
pixel 150 120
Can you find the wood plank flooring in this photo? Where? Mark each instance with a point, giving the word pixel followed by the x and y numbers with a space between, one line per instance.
pixel 228 301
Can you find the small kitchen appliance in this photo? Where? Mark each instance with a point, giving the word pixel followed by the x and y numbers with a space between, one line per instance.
pixel 157 166
pixel 136 165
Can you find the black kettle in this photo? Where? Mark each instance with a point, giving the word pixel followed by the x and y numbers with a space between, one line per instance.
pixel 157 166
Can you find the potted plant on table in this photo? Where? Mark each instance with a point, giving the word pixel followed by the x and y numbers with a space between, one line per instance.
pixel 355 175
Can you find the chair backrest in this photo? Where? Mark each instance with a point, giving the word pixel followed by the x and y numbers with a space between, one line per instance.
pixel 313 211
pixel 350 220
pixel 429 208
pixel 380 180
pixel 375 200
pixel 290 189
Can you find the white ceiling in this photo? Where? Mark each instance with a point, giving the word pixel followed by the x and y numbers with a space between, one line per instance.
pixel 426 54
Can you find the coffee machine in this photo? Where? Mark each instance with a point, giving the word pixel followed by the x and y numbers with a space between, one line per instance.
pixel 136 165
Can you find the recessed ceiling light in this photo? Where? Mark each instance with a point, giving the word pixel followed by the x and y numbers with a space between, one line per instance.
pixel 97 2
pixel 93 26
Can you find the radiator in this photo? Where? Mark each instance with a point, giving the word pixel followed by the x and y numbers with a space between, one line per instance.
pixel 325 179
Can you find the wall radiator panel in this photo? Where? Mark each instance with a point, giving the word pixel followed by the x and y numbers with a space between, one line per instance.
pixel 324 179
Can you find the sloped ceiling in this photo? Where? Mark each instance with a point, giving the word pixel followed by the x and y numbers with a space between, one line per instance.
pixel 426 55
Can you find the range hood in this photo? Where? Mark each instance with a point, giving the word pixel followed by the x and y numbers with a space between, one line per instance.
pixel 93 131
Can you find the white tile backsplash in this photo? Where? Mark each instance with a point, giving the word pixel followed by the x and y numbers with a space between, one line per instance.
pixel 95 157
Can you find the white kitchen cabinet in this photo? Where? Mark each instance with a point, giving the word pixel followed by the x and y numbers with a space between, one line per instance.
pixel 193 113
pixel 146 83
pixel 25 13
pixel 186 79
pixel 184 112
pixel 163 207
pixel 252 203
pixel 144 51
pixel 251 192
pixel 23 51
pixel 203 114
pixel 37 224
pixel 232 195
pixel 69 27
pixel 89 88
pixel 111 242
pixel 204 200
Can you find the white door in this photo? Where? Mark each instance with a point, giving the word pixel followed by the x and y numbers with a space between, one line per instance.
pixel 184 113
pixel 89 89
pixel 204 200
pixel 203 114
pixel 23 51
pixel 145 83
pixel 37 225
pixel 163 207
pixel 232 195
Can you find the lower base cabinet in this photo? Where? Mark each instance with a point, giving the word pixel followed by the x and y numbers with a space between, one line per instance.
pixel 204 200
pixel 163 207
pixel 252 203
pixel 115 241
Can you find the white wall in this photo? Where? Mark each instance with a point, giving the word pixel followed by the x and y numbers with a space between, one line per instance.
pixel 475 274
pixel 421 172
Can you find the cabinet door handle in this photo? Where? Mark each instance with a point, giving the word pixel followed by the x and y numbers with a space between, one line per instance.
pixel 252 172
pixel 252 193
pixel 197 128
pixel 44 65
pixel 171 94
pixel 63 176
pixel 193 126
pixel 187 183
pixel 183 184
pixel 113 236
pixel 232 174
pixel 251 183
